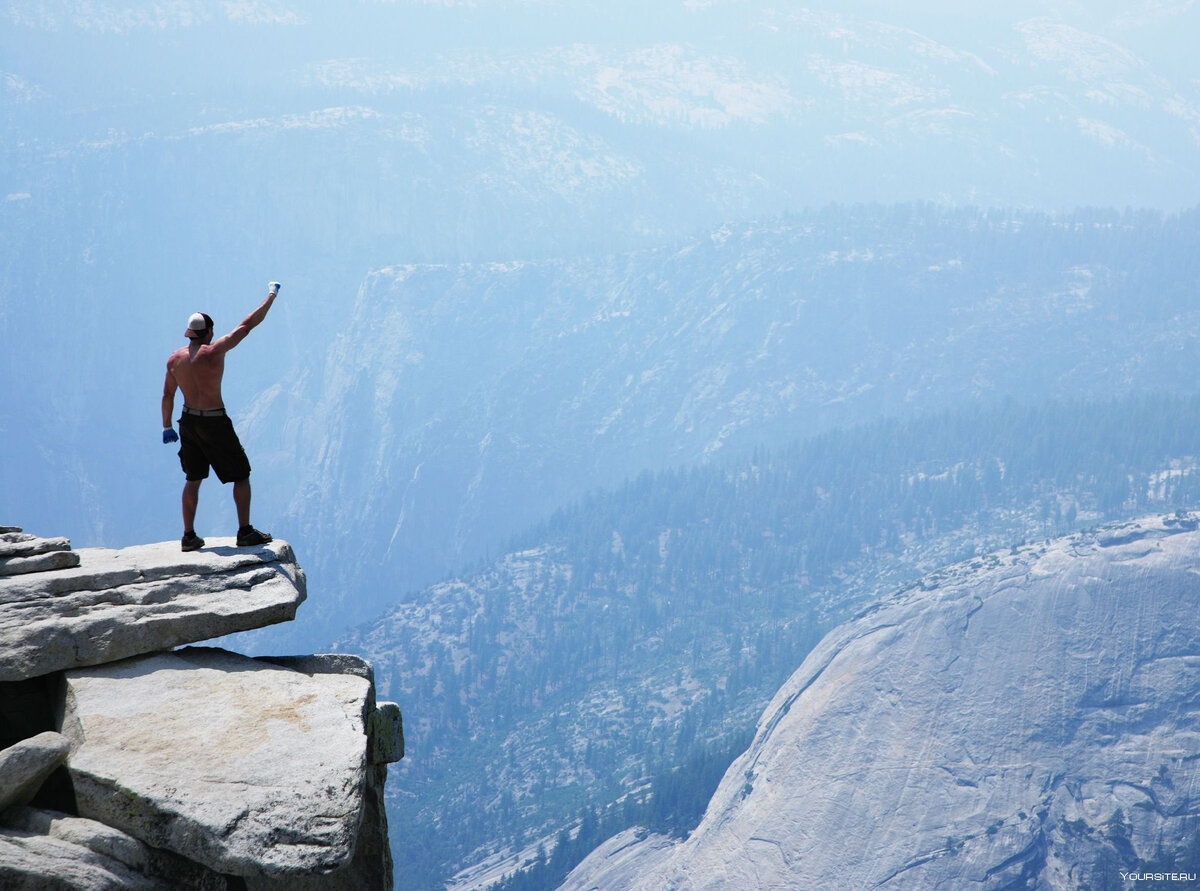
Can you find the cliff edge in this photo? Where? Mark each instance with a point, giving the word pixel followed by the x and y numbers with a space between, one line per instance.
pixel 128 760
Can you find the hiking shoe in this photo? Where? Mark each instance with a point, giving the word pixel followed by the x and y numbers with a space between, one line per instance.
pixel 191 542
pixel 248 537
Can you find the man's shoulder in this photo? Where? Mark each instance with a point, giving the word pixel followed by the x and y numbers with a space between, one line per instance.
pixel 186 353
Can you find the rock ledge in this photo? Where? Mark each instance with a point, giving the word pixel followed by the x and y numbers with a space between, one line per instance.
pixel 127 764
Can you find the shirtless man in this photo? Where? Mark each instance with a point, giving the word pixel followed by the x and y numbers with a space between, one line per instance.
pixel 206 436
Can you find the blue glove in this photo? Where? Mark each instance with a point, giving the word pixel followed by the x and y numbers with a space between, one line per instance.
pixel 169 435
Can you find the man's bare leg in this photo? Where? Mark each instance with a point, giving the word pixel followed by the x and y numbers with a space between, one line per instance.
pixel 247 535
pixel 241 500
pixel 191 498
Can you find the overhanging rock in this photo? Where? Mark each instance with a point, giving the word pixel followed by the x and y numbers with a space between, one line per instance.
pixel 249 768
pixel 121 603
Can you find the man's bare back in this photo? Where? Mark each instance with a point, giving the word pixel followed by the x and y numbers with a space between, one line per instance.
pixel 197 369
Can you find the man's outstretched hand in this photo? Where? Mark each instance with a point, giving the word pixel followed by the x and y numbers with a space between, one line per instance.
pixel 169 435
pixel 274 287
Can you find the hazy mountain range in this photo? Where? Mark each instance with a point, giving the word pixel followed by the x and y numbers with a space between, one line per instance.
pixel 159 157
pixel 533 249
pixel 465 402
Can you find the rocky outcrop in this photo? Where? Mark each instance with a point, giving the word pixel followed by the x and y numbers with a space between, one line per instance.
pixel 42 849
pixel 21 553
pixel 199 768
pixel 117 603
pixel 1025 720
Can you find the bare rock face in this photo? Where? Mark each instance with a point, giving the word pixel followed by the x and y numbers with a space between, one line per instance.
pixel 1025 720
pixel 248 768
pixel 120 603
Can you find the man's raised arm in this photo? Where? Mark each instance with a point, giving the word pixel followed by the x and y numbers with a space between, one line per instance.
pixel 252 321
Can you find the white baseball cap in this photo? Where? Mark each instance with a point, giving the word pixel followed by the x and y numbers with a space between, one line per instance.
pixel 198 323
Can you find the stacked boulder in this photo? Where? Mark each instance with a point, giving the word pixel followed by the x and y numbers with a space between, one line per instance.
pixel 129 759
pixel 21 553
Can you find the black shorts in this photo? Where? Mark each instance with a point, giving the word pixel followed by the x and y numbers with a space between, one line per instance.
pixel 211 441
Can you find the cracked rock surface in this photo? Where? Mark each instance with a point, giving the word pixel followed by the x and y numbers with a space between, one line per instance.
pixel 248 768
pixel 1027 719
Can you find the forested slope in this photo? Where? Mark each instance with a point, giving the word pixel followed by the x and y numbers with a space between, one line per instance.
pixel 466 402
pixel 639 633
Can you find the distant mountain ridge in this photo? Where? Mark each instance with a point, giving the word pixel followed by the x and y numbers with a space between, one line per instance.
pixel 467 401
pixel 1028 105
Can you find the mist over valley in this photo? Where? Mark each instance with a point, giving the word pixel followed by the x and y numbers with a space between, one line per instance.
pixel 628 360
